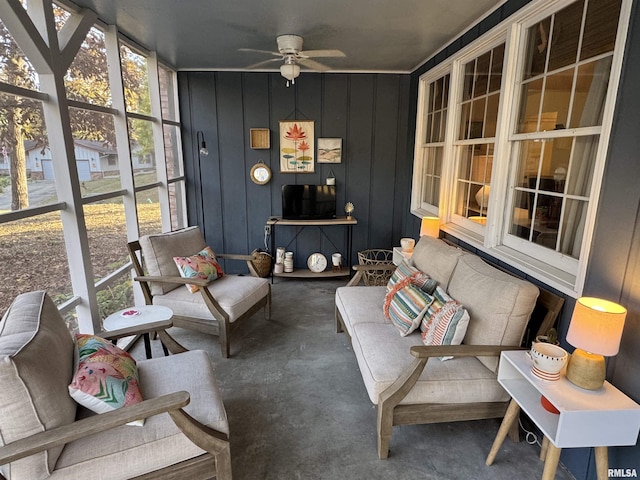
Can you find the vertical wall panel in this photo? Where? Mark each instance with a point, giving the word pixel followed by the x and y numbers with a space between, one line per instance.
pixel 255 89
pixel 360 145
pixel 233 173
pixel 362 109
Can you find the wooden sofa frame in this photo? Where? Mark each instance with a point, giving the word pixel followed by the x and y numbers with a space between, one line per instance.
pixel 215 463
pixel 223 328
pixel 391 413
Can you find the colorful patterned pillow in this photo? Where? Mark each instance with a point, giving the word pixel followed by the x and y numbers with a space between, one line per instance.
pixel 419 279
pixel 446 324
pixel 440 297
pixel 106 377
pixel 203 265
pixel 405 305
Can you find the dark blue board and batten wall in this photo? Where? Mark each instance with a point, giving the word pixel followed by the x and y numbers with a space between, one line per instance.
pixel 374 114
pixel 369 113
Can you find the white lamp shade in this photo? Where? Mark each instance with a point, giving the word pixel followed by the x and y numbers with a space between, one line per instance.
pixel 596 326
pixel 290 71
pixel 430 226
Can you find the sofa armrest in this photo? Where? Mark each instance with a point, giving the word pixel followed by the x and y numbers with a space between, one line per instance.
pixel 57 437
pixel 235 256
pixel 428 351
pixel 361 269
pixel 181 280
pixel 399 389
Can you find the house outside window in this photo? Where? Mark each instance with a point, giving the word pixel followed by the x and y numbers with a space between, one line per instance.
pixel 524 150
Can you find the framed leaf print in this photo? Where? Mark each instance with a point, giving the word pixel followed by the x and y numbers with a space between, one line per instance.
pixel 297 147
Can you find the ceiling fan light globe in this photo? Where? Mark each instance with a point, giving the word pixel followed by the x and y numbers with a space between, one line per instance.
pixel 290 71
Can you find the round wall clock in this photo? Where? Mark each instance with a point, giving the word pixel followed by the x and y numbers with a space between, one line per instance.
pixel 260 173
pixel 317 262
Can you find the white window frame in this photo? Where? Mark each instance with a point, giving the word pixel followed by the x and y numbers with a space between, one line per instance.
pixel 566 275
pixel 418 207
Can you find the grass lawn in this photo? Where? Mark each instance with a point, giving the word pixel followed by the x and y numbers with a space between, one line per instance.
pixel 34 253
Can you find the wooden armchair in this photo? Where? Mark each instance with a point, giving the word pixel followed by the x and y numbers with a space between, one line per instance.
pixel 45 434
pixel 218 307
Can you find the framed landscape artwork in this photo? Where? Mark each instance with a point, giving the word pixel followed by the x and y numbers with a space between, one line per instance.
pixel 329 150
pixel 297 147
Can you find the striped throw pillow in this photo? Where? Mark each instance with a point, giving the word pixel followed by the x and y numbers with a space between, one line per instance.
pixel 445 325
pixel 419 279
pixel 405 305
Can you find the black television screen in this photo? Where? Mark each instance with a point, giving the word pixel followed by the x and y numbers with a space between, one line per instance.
pixel 308 202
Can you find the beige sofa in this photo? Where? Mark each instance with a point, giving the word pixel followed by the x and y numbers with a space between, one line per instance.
pixel 405 387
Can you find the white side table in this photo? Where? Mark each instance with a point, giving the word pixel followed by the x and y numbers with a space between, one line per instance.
pixel 587 418
pixel 399 255
pixel 141 316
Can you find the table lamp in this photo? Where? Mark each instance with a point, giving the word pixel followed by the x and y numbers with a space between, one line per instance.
pixel 595 330
pixel 430 226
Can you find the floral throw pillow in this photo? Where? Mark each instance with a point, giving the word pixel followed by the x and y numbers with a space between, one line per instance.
pixel 203 265
pixel 106 377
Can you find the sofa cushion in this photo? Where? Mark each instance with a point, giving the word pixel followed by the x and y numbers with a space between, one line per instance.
pixel 203 266
pixel 36 365
pixel 106 377
pixel 499 304
pixel 235 294
pixel 125 452
pixel 383 356
pixel 158 252
pixel 360 304
pixel 436 259
pixel 405 305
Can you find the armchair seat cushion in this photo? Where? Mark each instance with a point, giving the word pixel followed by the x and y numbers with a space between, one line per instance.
pixel 128 451
pixel 383 356
pixel 235 294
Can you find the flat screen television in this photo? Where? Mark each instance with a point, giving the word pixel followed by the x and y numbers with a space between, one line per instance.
pixel 308 202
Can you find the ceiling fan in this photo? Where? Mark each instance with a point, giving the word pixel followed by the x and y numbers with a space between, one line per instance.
pixel 291 54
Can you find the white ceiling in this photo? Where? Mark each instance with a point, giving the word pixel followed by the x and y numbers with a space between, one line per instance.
pixel 375 35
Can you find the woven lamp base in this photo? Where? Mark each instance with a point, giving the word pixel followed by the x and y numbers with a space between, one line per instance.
pixel 586 370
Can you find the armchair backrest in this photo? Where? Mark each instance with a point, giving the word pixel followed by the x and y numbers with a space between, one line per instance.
pixel 36 366
pixel 158 252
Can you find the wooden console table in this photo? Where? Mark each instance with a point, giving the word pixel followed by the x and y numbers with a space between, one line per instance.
pixel 331 222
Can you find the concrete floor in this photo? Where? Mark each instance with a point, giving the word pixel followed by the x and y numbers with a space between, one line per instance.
pixel 298 408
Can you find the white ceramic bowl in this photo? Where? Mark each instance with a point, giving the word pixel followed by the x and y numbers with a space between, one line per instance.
pixel 407 244
pixel 548 358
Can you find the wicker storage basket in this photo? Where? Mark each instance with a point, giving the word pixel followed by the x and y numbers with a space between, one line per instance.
pixel 376 256
pixel 261 262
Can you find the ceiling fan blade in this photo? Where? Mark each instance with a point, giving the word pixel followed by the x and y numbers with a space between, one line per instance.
pixel 322 53
pixel 313 65
pixel 264 62
pixel 277 54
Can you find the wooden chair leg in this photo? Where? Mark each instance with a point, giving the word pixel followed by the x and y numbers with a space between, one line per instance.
pixel 223 464
pixel 385 427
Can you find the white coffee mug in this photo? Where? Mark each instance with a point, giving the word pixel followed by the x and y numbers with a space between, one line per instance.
pixel 336 259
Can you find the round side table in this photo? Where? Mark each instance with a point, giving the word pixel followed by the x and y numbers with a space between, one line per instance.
pixel 140 316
